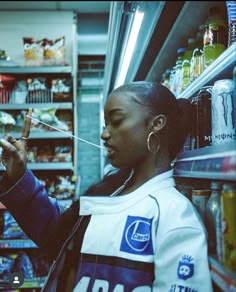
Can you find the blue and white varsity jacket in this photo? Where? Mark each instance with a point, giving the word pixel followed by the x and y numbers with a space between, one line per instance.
pixel 151 239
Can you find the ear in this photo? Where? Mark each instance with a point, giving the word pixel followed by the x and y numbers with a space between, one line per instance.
pixel 158 122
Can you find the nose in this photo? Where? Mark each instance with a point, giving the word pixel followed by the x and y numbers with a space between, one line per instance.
pixel 105 135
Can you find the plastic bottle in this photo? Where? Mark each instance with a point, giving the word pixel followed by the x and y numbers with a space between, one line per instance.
pixel 172 80
pixel 212 207
pixel 215 36
pixel 178 71
pixel 186 80
pixel 197 62
pixel 166 78
pixel 231 13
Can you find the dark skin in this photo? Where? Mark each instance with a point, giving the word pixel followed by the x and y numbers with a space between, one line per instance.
pixel 125 135
pixel 14 156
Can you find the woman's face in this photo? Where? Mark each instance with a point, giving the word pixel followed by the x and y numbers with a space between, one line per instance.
pixel 125 133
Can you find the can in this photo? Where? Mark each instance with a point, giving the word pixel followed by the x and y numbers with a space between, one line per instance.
pixel 199 200
pixel 229 225
pixel 223 115
pixel 201 134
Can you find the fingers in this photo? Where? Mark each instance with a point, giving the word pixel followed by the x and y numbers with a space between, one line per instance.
pixel 26 129
pixel 7 146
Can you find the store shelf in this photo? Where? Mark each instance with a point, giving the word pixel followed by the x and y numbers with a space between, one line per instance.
pixel 36 70
pixel 48 166
pixel 17 243
pixel 223 278
pixel 221 68
pixel 45 135
pixel 213 162
pixel 191 16
pixel 54 105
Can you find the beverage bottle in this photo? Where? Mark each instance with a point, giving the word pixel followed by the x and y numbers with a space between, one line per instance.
pixel 228 201
pixel 197 62
pixel 172 80
pixel 215 36
pixel 166 78
pixel 231 13
pixel 186 63
pixel 178 71
pixel 212 207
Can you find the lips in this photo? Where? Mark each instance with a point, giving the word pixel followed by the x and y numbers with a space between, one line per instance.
pixel 110 150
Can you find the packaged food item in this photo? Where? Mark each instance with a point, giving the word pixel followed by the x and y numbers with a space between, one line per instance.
pixel 6 85
pixel 19 92
pixel 7 121
pixel 61 89
pixel 54 51
pixel 6 265
pixel 38 91
pixel 11 229
pixel 229 225
pixel 223 111
pixel 33 51
pixel 23 265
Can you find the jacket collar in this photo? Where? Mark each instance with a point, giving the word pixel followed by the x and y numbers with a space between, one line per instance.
pixel 94 205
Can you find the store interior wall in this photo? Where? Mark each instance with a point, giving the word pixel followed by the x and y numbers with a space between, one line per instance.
pixel 92 47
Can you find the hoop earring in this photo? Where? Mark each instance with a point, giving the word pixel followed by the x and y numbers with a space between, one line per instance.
pixel 148 143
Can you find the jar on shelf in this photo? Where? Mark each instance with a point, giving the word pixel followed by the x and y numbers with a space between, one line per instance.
pixel 215 36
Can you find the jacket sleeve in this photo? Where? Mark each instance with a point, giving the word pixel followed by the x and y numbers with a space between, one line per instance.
pixel 35 212
pixel 183 264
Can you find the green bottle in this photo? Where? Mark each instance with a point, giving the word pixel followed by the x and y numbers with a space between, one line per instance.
pixel 215 36
pixel 186 64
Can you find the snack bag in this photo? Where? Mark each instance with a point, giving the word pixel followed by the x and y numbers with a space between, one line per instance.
pixel 33 51
pixel 54 51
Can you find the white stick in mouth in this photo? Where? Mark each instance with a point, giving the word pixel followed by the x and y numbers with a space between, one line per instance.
pixel 68 134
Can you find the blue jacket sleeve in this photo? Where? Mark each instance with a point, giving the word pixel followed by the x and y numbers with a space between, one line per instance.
pixel 35 212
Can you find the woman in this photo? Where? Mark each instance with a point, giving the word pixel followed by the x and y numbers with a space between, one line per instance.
pixel 133 231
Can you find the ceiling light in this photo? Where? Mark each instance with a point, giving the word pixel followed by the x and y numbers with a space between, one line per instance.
pixel 136 25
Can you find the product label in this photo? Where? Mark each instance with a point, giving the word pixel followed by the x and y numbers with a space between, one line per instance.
pixel 223 127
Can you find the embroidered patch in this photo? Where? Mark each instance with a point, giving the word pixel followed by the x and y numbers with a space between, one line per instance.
pixel 185 267
pixel 137 236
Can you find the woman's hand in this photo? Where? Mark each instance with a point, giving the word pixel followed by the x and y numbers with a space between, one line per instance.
pixel 14 154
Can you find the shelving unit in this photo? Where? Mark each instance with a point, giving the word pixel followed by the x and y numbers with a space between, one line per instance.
pixel 216 162
pixel 14 26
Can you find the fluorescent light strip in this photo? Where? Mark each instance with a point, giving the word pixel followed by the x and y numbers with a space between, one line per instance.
pixel 138 18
